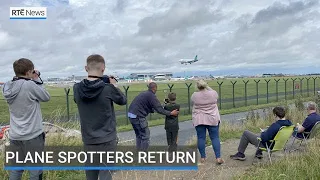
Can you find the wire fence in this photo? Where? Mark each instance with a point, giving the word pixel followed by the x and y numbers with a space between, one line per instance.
pixel 232 94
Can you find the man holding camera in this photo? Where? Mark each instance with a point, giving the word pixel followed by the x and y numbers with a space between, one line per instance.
pixel 95 97
pixel 145 103
pixel 23 95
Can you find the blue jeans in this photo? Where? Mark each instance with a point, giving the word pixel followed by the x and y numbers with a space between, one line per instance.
pixel 298 135
pixel 214 136
pixel 141 129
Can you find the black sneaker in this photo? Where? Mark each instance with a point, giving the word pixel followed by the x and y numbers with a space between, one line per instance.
pixel 259 154
pixel 239 156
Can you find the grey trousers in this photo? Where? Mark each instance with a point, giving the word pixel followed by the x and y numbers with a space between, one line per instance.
pixel 101 174
pixel 246 138
pixel 35 144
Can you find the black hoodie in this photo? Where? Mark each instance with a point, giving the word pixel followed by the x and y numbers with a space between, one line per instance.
pixel 95 105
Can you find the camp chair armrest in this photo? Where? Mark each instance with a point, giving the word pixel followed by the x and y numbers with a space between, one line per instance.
pixel 259 138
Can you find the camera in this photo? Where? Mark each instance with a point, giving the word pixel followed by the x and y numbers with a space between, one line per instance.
pixel 166 101
pixel 35 72
pixel 106 79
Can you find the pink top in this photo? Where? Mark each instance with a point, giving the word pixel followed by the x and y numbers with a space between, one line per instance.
pixel 205 110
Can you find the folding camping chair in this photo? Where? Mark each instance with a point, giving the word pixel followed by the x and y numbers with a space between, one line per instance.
pixel 307 135
pixel 279 141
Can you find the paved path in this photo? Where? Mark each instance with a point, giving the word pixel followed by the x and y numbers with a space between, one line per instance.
pixel 186 132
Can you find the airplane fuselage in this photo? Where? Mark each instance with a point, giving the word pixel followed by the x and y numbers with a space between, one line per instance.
pixel 186 61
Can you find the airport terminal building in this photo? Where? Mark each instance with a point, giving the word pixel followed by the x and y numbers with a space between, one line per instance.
pixel 154 75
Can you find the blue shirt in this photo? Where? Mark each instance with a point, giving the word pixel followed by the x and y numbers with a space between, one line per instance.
pixel 308 123
pixel 133 116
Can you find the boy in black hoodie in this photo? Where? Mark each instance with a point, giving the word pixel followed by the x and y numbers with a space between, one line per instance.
pixel 95 100
pixel 267 135
pixel 172 123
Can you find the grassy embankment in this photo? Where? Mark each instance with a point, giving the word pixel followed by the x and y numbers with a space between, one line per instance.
pixel 301 165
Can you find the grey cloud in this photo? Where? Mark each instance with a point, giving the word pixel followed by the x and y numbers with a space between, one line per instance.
pixel 181 16
pixel 120 6
pixel 278 10
pixel 276 20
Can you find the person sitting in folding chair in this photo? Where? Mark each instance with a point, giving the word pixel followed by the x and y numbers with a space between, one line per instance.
pixel 304 129
pixel 302 132
pixel 266 135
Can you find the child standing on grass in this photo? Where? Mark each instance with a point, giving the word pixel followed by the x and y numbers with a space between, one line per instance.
pixel 172 123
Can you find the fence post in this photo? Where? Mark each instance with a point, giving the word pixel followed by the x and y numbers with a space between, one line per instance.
pixel 233 84
pixel 285 88
pixel 293 80
pixel 301 79
pixel 314 84
pixel 126 88
pixel 267 81
pixel 170 87
pixel 189 105
pixel 308 85
pixel 67 91
pixel 220 103
pixel 245 92
pixel 257 86
pixel 277 92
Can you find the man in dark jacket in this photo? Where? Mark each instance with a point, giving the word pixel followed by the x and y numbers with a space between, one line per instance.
pixel 95 100
pixel 267 135
pixel 145 103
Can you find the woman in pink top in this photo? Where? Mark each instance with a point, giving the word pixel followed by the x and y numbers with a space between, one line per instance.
pixel 205 115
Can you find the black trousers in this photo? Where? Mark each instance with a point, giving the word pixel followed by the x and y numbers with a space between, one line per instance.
pixel 101 174
pixel 172 138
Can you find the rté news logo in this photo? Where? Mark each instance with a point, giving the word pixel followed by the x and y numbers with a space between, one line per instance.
pixel 28 13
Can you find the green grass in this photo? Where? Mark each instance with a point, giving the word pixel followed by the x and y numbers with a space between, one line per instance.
pixel 294 166
pixel 57 106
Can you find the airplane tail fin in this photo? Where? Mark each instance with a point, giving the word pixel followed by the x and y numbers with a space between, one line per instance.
pixel 196 58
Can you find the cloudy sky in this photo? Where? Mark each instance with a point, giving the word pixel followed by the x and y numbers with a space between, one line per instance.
pixel 232 36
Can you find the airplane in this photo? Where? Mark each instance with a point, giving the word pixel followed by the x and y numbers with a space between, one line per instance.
pixel 186 61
